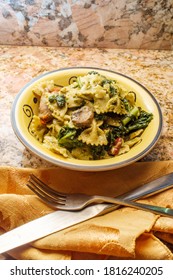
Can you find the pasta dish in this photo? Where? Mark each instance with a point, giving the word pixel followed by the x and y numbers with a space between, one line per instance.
pixel 93 118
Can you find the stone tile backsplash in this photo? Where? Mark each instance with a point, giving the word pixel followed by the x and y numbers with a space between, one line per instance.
pixel 139 24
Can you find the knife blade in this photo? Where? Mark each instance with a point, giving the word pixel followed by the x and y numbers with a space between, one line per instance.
pixel 59 220
pixel 46 225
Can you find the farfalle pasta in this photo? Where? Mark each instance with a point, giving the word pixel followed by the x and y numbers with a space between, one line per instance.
pixel 91 119
pixel 37 128
pixel 93 134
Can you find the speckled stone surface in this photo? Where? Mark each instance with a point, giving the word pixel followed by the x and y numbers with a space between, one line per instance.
pixel 154 69
pixel 138 24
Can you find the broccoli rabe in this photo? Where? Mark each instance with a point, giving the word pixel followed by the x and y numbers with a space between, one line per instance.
pixel 112 89
pixel 142 121
pixel 131 123
pixel 67 138
pixel 59 98
pixel 133 114
pixel 97 151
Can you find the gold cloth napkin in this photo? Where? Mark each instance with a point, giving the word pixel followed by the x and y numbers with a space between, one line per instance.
pixel 125 233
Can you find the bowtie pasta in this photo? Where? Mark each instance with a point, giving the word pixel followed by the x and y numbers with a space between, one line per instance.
pixel 93 118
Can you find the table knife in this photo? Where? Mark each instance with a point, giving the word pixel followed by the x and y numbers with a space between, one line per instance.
pixel 59 220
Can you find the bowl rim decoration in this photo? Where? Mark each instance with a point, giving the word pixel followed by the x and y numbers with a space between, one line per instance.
pixel 20 107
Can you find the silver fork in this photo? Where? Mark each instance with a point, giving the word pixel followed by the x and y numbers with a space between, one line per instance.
pixel 64 201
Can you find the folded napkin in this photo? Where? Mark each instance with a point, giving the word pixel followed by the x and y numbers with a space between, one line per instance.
pixel 125 233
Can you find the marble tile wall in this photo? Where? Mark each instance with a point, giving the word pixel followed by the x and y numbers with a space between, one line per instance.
pixel 139 24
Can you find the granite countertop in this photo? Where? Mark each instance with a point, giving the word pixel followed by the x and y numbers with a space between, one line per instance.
pixel 19 64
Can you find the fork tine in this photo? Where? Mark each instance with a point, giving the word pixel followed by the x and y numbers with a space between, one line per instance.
pixel 46 199
pixel 45 187
pixel 40 191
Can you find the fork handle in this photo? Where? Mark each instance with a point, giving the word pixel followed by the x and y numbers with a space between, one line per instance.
pixel 163 211
pixel 153 187
pixel 142 206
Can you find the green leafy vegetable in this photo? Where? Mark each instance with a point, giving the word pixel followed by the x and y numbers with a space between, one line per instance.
pixel 133 114
pixel 67 137
pixel 59 98
pixel 111 84
pixel 131 124
pixel 97 151
pixel 142 121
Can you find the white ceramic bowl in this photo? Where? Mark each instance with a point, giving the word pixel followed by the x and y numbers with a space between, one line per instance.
pixel 26 105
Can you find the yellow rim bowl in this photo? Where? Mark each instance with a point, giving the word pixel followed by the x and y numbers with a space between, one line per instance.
pixel 25 106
